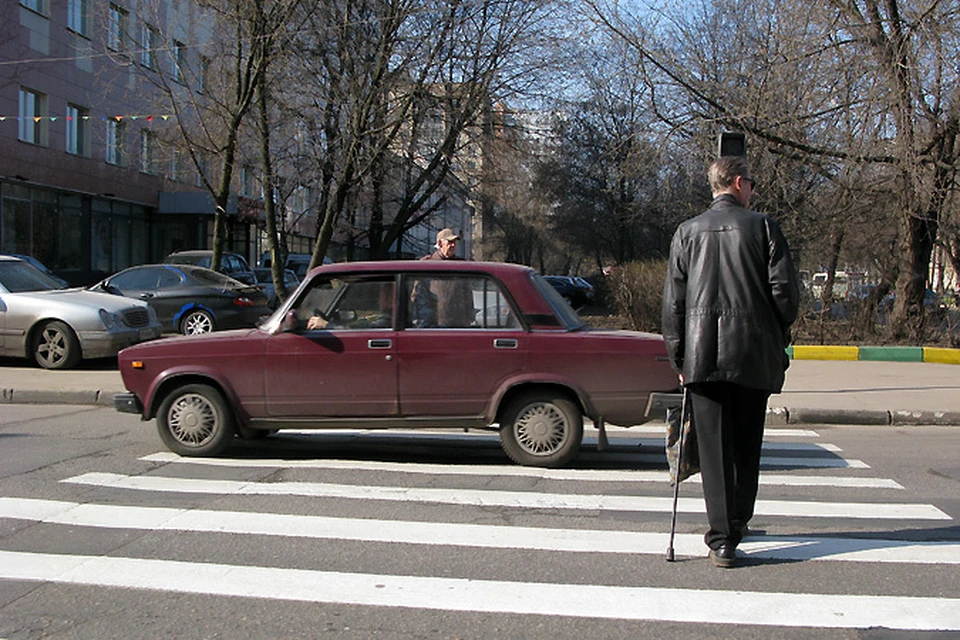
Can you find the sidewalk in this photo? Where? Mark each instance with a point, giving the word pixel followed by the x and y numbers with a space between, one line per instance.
pixel 816 391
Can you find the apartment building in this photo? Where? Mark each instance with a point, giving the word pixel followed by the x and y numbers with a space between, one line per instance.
pixel 91 179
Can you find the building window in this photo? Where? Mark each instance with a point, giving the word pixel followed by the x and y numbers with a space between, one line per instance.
pixel 148 46
pixel 179 61
pixel 33 107
pixel 148 151
pixel 176 166
pixel 78 136
pixel 246 181
pixel 40 6
pixel 202 77
pixel 114 142
pixel 117 21
pixel 77 16
pixel 203 170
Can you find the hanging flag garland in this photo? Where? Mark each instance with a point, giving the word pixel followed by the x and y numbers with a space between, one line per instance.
pixel 118 118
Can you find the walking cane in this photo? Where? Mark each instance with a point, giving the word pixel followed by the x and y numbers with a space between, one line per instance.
pixel 676 484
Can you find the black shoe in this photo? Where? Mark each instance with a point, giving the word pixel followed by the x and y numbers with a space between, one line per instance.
pixel 724 556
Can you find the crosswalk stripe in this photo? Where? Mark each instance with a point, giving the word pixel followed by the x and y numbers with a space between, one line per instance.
pixel 462 594
pixel 580 475
pixel 533 500
pixel 467 535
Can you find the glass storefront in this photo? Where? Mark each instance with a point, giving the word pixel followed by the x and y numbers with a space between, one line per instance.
pixel 80 237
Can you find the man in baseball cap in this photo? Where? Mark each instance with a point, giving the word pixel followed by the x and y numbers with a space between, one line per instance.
pixel 446 246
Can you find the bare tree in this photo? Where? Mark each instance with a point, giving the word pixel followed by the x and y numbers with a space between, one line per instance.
pixel 854 84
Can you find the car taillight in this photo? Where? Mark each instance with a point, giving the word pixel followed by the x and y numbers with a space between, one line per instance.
pixel 244 301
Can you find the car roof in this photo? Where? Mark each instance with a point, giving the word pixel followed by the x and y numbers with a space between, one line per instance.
pixel 425 266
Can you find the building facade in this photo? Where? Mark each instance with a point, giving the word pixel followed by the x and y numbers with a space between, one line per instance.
pixel 93 177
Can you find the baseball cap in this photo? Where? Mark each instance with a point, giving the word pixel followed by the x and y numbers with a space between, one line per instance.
pixel 447 234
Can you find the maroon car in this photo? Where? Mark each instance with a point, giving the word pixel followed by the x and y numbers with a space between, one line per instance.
pixel 402 344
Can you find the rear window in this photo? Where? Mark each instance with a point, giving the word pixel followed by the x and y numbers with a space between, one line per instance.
pixel 568 317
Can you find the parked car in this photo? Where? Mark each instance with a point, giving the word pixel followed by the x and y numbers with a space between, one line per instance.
pixel 299 263
pixel 568 289
pixel 586 287
pixel 525 365
pixel 188 299
pixel 41 267
pixel 231 264
pixel 264 278
pixel 57 327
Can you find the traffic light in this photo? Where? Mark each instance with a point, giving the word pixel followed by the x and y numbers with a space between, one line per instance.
pixel 731 143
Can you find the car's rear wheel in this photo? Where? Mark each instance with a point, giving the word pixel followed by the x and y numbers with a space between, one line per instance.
pixel 55 346
pixel 196 322
pixel 194 420
pixel 541 429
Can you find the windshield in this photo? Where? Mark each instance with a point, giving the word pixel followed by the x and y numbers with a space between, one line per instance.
pixel 18 277
pixel 568 317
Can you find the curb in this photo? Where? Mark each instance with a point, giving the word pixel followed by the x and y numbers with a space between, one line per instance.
pixel 887 354
pixel 775 415
pixel 28 396
pixel 785 416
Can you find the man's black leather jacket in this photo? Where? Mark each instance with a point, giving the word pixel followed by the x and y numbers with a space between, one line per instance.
pixel 730 296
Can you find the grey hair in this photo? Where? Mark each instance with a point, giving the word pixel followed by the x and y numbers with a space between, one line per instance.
pixel 725 170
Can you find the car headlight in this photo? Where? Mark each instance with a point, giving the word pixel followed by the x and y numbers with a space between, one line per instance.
pixel 110 320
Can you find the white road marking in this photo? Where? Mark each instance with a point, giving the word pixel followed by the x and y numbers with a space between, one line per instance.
pixel 520 499
pixel 579 475
pixel 467 535
pixel 501 597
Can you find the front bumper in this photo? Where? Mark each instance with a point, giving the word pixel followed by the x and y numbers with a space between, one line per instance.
pixel 127 403
pixel 106 344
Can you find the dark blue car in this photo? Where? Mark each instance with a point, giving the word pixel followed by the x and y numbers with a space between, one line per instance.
pixel 190 299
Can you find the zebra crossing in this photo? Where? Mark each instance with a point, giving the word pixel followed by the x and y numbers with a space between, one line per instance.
pixel 314 500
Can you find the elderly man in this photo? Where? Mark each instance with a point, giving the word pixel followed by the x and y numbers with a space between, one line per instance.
pixel 730 296
pixel 454 299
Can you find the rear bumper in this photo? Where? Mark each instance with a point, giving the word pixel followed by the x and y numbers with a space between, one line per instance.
pixel 127 403
pixel 662 401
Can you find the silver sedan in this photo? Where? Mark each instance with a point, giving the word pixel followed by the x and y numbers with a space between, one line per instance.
pixel 58 327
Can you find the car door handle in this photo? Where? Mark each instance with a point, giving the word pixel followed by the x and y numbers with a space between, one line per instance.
pixel 379 343
pixel 505 343
pixel 146 296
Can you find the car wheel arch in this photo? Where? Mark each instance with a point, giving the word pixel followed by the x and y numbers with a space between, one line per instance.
pixel 529 386
pixel 167 385
pixel 31 334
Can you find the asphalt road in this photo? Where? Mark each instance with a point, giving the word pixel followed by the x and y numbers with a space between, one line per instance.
pixel 389 535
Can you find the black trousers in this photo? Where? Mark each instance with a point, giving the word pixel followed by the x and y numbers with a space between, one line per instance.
pixel 728 419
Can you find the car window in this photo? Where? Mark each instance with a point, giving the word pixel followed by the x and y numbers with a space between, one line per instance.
pixel 457 302
pixel 169 279
pixel 563 311
pixel 215 278
pixel 361 303
pixel 136 279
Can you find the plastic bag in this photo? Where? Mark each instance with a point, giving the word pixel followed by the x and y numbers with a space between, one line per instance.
pixel 686 463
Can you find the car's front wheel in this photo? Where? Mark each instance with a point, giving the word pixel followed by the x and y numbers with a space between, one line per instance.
pixel 194 420
pixel 541 429
pixel 55 346
pixel 196 322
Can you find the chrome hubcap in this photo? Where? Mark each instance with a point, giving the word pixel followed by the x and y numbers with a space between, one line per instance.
pixel 541 429
pixel 192 420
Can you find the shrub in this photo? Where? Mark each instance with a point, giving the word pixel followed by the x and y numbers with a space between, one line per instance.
pixel 637 291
